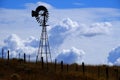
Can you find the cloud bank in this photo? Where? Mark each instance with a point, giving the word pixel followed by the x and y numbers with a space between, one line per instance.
pixel 67 27
pixel 16 45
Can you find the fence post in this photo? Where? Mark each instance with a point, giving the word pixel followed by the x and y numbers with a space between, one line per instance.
pixel 107 75
pixel 19 56
pixel 42 62
pixel 67 67
pixel 117 75
pixel 36 59
pixel 29 58
pixel 2 53
pixel 24 57
pixel 61 65
pixel 47 65
pixel 83 68
pixel 8 55
pixel 55 64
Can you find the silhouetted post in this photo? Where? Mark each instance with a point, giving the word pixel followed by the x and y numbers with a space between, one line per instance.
pixel 117 75
pixel 19 56
pixel 42 62
pixel 107 75
pixel 61 65
pixel 36 59
pixel 55 64
pixel 2 53
pixel 29 58
pixel 83 68
pixel 24 57
pixel 76 68
pixel 47 66
pixel 98 72
pixel 8 55
pixel 67 67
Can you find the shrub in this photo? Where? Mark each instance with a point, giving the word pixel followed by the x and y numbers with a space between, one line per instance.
pixel 15 76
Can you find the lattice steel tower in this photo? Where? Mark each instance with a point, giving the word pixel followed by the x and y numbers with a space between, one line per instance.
pixel 41 15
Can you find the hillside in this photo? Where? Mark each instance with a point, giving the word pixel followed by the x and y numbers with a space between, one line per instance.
pixel 19 70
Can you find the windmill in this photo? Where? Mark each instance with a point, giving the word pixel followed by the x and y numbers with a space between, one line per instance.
pixel 41 15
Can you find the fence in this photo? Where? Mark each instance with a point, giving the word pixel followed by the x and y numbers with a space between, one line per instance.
pixel 7 56
pixel 104 71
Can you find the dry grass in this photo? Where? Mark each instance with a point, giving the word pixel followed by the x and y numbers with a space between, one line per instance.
pixel 15 70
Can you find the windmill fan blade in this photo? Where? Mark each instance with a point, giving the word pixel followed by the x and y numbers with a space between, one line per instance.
pixel 41 14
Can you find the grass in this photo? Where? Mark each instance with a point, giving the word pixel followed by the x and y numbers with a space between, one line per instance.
pixel 16 70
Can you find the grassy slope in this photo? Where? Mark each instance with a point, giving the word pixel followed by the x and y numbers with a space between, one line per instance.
pixel 14 70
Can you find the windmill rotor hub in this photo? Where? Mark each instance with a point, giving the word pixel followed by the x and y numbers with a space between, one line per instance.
pixel 41 14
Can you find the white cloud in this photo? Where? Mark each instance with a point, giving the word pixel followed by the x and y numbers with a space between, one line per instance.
pixel 45 4
pixel 68 23
pixel 114 56
pixel 78 4
pixel 117 62
pixel 71 56
pixel 68 27
pixel 100 28
pixel 60 31
pixel 33 6
pixel 16 45
pixel 32 41
pixel 13 42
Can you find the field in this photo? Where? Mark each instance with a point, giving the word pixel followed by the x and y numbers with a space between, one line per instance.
pixel 15 69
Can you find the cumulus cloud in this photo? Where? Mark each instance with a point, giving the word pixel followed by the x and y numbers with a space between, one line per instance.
pixel 13 42
pixel 71 56
pixel 117 62
pixel 94 29
pixel 59 32
pixel 69 27
pixel 68 23
pixel 114 56
pixel 32 41
pixel 16 45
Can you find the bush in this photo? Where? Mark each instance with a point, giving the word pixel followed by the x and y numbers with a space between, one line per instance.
pixel 15 77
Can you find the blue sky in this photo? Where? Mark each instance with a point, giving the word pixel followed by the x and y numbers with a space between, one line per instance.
pixel 19 4
pixel 86 28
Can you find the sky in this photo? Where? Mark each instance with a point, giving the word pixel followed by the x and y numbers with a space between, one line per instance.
pixel 79 30
pixel 63 4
